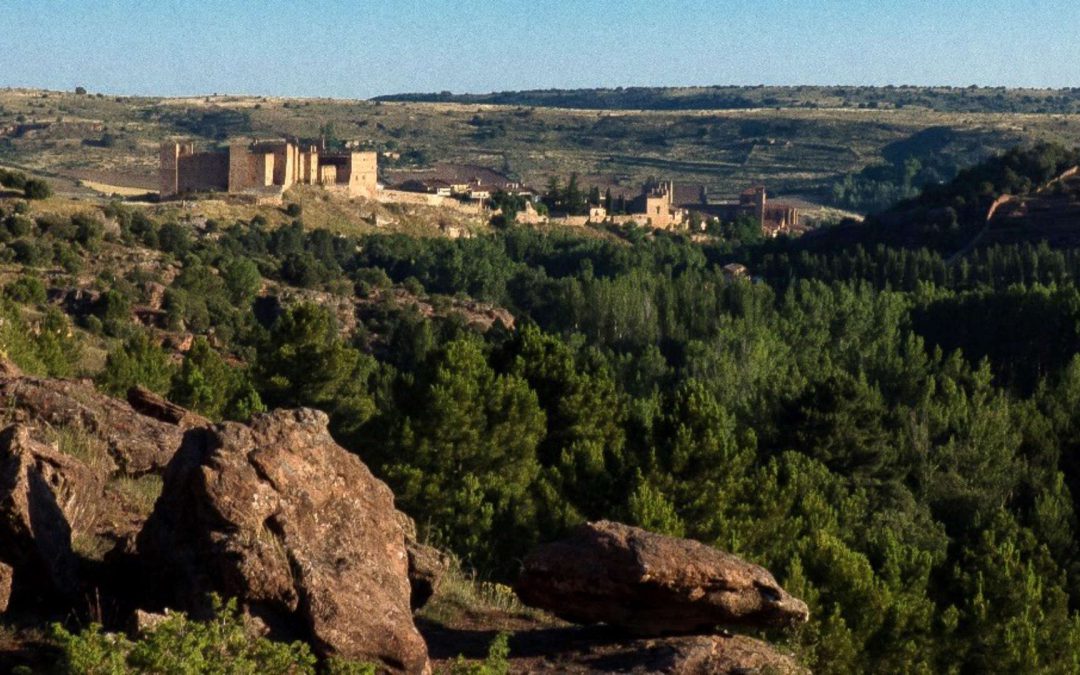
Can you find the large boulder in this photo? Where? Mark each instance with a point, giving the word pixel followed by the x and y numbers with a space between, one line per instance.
pixel 278 515
pixel 35 538
pixel 651 584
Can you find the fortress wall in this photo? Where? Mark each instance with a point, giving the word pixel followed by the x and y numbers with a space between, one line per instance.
pixel 426 199
pixel 202 171
pixel 403 197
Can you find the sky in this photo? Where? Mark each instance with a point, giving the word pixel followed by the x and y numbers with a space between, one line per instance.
pixel 364 48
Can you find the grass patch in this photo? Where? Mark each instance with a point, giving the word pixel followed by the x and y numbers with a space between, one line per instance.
pixel 461 593
pixel 91 546
pixel 139 494
pixel 79 443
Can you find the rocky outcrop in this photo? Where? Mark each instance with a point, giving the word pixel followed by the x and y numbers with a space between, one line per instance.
pixel 278 515
pixel 427 565
pixel 35 538
pixel 146 402
pixel 651 585
pixel 700 655
pixel 133 443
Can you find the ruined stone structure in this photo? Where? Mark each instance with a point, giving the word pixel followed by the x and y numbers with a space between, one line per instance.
pixel 265 168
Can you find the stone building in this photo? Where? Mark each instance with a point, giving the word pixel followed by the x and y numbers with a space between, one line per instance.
pixel 265 169
pixel 660 209
pixel 774 218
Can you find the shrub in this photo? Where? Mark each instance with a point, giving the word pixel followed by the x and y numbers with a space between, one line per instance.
pixel 137 362
pixel 18 225
pixel 174 238
pixel 182 645
pixel 27 290
pixel 56 225
pixel 12 179
pixel 37 189
pixel 294 210
pixel 27 252
pixel 88 230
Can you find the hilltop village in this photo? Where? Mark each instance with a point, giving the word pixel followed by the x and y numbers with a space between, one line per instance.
pixel 263 170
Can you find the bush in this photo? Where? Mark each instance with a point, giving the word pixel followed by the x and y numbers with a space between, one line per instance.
pixel 12 179
pixel 294 210
pixel 28 253
pixel 27 290
pixel 89 231
pixel 37 189
pixel 18 225
pixel 174 238
pixel 137 362
pixel 181 645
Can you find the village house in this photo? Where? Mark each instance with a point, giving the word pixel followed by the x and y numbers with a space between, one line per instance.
pixel 467 182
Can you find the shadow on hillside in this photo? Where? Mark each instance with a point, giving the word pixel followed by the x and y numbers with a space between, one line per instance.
pixel 473 643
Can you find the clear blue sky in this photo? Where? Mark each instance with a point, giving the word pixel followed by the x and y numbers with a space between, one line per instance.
pixel 362 48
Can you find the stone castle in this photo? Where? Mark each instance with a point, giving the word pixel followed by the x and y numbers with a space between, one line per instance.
pixel 265 169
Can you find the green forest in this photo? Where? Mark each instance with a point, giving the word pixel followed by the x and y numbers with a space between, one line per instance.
pixel 895 435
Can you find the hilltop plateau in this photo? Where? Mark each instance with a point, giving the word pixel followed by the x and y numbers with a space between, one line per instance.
pixel 856 156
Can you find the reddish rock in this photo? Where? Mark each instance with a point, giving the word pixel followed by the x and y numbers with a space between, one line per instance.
pixel 427 565
pixel 146 402
pixel 135 444
pixel 281 517
pixel 35 538
pixel 650 584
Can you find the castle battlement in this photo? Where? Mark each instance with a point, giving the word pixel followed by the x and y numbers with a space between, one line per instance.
pixel 265 166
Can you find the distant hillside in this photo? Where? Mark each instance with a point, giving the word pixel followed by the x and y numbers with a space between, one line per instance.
pixel 860 160
pixel 1025 195
pixel 942 99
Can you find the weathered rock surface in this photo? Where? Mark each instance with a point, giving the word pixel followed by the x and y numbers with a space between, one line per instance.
pixel 699 655
pixel 427 565
pixel 135 443
pixel 650 584
pixel 143 623
pixel 35 538
pixel 281 517
pixel 603 649
pixel 6 574
pixel 146 402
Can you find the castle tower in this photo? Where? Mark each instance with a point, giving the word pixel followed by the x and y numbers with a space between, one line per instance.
pixel 169 171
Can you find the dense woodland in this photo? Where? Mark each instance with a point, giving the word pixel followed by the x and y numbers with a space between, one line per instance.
pixel 893 435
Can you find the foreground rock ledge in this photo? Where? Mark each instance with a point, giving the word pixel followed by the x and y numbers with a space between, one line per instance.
pixel 699 655
pixel 651 584
pixel 278 515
